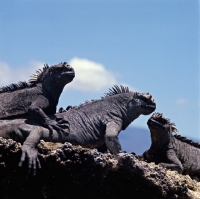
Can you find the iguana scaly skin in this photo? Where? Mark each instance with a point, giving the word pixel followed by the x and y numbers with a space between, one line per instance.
pixel 172 151
pixel 37 98
pixel 95 124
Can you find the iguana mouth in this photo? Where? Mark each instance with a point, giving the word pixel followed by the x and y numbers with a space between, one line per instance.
pixel 152 106
pixel 69 73
pixel 153 122
pixel 149 106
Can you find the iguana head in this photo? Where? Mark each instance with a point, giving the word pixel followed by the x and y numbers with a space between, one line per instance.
pixel 54 78
pixel 60 74
pixel 143 103
pixel 134 103
pixel 161 128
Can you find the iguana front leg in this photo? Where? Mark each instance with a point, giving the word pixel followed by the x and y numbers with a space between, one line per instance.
pixel 173 162
pixel 111 137
pixel 28 149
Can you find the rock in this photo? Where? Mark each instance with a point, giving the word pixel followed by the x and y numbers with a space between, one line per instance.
pixel 70 172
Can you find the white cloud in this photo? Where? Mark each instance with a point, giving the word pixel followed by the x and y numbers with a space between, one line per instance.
pixel 5 73
pixel 181 101
pixel 90 76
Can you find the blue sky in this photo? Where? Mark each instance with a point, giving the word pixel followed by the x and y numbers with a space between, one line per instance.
pixel 150 46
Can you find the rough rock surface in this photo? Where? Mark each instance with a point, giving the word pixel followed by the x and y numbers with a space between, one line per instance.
pixel 70 172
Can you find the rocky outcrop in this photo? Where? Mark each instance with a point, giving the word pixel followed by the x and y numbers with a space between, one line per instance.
pixel 70 172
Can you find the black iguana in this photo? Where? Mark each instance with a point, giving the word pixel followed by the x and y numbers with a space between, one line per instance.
pixel 95 124
pixel 172 151
pixel 37 98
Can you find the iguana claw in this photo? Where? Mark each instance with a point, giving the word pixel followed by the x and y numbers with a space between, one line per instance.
pixel 60 125
pixel 33 162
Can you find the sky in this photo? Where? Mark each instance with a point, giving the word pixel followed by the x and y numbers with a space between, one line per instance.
pixel 149 46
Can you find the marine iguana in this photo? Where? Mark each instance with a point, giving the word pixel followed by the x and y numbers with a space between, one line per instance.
pixel 37 98
pixel 173 152
pixel 95 124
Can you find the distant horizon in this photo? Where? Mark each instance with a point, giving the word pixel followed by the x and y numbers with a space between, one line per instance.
pixel 138 139
pixel 147 129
